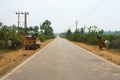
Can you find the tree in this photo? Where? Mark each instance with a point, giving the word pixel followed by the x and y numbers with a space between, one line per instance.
pixel 13 28
pixel 82 31
pixel 1 24
pixel 46 29
pixel 5 28
pixel 101 32
pixel 35 29
pixel 68 32
pixel 31 29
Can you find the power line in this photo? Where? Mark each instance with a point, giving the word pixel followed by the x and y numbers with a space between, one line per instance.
pixel 2 6
pixel 92 11
pixel 25 19
pixel 6 5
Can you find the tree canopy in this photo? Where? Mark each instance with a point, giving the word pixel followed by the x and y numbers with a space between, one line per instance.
pixel 46 29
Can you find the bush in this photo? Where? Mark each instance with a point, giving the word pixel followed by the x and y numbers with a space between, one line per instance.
pixel 3 44
pixel 16 40
pixel 42 37
pixel 83 38
pixel 91 39
pixel 109 37
pixel 74 37
pixel 115 44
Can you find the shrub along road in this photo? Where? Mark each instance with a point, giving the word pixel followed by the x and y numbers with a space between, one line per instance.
pixel 62 60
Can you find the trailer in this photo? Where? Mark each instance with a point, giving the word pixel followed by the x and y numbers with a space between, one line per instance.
pixel 31 42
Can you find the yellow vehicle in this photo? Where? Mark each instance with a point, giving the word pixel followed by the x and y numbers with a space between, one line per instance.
pixel 31 42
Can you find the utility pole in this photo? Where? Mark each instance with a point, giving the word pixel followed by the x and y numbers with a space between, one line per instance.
pixel 18 24
pixel 76 24
pixel 40 27
pixel 25 24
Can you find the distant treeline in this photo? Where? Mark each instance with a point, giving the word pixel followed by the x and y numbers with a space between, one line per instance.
pixel 112 32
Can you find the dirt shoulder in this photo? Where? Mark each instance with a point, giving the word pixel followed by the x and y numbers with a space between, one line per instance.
pixel 10 59
pixel 109 54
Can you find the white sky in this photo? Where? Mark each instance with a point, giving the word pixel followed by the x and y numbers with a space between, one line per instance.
pixel 63 13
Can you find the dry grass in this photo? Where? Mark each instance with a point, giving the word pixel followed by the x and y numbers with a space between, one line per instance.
pixel 10 59
pixel 109 54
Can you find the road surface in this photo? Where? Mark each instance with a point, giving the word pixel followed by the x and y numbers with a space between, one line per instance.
pixel 62 60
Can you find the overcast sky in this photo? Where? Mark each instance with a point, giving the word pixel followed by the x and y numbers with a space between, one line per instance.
pixel 63 13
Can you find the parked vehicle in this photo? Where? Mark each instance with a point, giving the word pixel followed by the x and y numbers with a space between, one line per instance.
pixel 31 42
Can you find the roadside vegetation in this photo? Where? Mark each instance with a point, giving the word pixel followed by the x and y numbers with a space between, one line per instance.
pixel 16 34
pixel 89 36
pixel 9 58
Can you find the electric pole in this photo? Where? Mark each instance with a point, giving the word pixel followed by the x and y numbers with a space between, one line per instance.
pixel 18 24
pixel 40 28
pixel 76 24
pixel 25 24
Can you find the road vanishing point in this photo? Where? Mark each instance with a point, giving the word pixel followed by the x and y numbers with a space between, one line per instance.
pixel 62 60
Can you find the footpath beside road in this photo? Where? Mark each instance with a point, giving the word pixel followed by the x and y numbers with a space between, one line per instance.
pixel 62 60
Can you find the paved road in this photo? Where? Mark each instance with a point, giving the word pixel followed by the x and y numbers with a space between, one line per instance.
pixel 62 60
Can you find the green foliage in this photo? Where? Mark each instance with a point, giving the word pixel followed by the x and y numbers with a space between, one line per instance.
pixel 17 41
pixel 16 35
pixel 110 37
pixel 9 32
pixel 1 24
pixel 90 37
pixel 68 33
pixel 35 29
pixel 46 29
pixel 42 37
pixel 3 44
pixel 81 36
pixel 116 44
pixel 74 37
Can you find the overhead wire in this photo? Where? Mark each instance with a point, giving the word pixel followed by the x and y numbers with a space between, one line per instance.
pixel 92 11
pixel 5 5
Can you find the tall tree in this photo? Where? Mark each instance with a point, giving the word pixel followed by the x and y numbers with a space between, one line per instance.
pixel 68 32
pixel 46 29
pixel 35 29
pixel 1 24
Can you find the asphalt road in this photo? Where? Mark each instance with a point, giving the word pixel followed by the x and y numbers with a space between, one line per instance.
pixel 62 60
